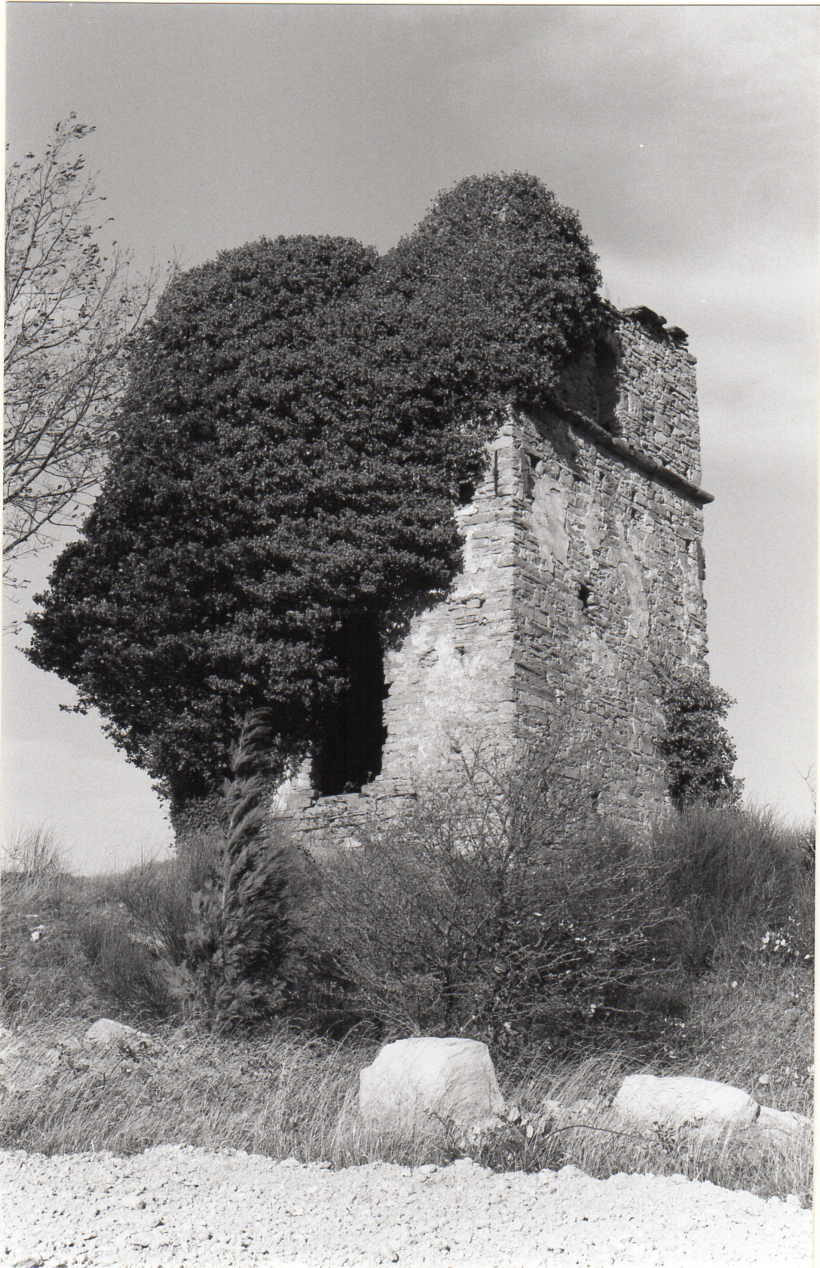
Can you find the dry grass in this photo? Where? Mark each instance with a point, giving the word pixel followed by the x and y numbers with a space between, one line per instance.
pixel 279 1096
pixel 600 1147
pixel 287 1094
pixel 289 1097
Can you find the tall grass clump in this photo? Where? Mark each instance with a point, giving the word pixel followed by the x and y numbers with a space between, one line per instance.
pixel 34 865
pixel 739 875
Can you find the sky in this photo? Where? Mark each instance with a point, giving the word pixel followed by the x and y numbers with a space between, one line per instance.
pixel 684 136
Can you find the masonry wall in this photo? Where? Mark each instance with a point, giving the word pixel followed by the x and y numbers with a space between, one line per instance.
pixel 609 580
pixel 583 571
pixel 450 671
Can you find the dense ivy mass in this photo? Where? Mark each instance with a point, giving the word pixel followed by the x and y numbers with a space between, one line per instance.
pixel 299 418
pixel 697 748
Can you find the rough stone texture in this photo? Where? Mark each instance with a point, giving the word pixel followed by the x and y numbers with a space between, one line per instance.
pixel 782 1125
pixel 583 572
pixel 645 1100
pixel 106 1031
pixel 413 1083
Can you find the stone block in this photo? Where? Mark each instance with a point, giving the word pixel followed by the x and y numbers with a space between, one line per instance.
pixel 782 1125
pixel 646 1100
pixel 106 1031
pixel 415 1083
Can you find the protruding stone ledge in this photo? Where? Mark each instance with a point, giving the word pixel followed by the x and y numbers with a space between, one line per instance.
pixel 637 459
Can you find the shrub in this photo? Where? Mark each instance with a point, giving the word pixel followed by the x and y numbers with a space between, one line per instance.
pixel 499 908
pixel 158 898
pixel 244 929
pixel 698 750
pixel 129 973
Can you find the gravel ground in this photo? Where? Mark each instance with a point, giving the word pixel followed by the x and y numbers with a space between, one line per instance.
pixel 177 1205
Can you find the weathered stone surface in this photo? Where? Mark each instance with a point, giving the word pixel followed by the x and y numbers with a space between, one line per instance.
pixel 646 1100
pixel 414 1083
pixel 782 1125
pixel 106 1031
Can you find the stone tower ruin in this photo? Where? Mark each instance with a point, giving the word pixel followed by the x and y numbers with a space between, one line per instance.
pixel 583 571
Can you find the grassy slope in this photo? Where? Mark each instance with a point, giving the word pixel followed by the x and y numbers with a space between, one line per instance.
pixel 285 1094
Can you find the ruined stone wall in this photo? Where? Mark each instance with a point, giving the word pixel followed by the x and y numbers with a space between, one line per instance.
pixel 609 575
pixel 583 571
pixel 450 669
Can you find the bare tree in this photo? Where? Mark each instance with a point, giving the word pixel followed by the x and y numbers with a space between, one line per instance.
pixel 70 309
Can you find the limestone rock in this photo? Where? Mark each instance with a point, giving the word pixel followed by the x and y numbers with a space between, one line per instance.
pixel 781 1125
pixel 645 1100
pixel 415 1083
pixel 106 1031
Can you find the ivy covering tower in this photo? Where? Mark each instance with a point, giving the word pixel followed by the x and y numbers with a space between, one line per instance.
pixel 302 422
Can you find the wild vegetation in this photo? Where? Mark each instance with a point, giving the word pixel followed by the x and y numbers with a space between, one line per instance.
pixel 696 747
pixel 692 954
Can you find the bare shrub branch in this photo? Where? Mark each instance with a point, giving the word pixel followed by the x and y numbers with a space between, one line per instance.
pixel 500 907
pixel 71 306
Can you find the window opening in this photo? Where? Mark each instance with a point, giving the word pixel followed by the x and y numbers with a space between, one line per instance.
pixel 606 376
pixel 527 476
pixel 348 753
pixel 466 492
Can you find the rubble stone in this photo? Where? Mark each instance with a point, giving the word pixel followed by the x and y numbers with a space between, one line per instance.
pixel 646 1100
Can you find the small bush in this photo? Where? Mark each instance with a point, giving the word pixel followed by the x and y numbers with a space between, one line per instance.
pixel 697 748
pixel 127 971
pixel 158 898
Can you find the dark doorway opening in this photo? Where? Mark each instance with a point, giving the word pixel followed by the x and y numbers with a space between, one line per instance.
pixel 348 753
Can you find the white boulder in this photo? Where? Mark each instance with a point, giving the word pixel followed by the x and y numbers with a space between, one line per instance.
pixel 414 1084
pixel 782 1125
pixel 646 1100
pixel 106 1031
